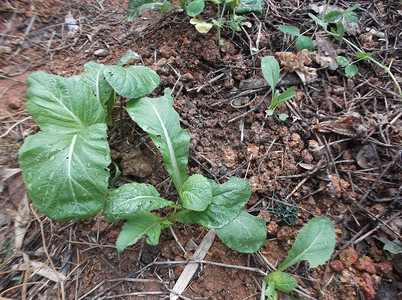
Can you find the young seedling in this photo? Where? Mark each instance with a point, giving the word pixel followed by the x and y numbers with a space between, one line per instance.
pixel 270 70
pixel 315 243
pixel 302 42
pixel 65 167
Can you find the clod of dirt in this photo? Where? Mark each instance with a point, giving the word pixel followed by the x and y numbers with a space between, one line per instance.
pixel 366 264
pixel 348 257
pixel 336 265
pixel 366 285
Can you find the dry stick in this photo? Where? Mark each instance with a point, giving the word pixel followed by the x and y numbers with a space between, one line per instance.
pixel 47 253
pixel 13 126
pixel 253 109
pixel 190 269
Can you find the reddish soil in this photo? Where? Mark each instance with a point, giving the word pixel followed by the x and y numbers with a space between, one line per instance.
pixel 220 97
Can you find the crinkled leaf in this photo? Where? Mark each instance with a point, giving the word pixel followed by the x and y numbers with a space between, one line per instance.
pixel 227 202
pixel 245 233
pixel 129 56
pixel 286 95
pixel 136 227
pixel 270 291
pixel 132 199
pixel 315 243
pixel 136 7
pixel 351 70
pixel 196 193
pixel 131 82
pixel 270 70
pixel 66 175
pixel 283 282
pixel 304 42
pixel 291 30
pixel 96 80
pixel 250 6
pixel 60 104
pixel 158 118
pixel 342 61
pixel 195 7
pixel 333 17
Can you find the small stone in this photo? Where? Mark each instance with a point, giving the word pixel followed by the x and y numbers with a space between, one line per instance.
pixel 101 52
pixel 348 257
pixel 315 149
pixel 366 264
pixel 307 156
pixel 295 137
pixel 336 265
pixel 366 285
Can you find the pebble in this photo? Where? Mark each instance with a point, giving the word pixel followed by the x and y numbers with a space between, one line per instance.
pixel 101 52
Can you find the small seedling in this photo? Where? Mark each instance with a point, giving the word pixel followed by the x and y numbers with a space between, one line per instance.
pixel 270 70
pixel 65 167
pixel 315 243
pixel 302 41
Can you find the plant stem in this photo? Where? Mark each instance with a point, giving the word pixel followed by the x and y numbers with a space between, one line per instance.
pixel 173 217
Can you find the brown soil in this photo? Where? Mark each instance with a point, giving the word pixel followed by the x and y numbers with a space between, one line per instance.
pixel 355 181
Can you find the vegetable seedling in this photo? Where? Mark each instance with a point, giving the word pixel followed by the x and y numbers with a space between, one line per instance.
pixel 315 243
pixel 270 70
pixel 65 166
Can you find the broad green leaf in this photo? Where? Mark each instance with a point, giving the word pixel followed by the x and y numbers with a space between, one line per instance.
pixel 136 227
pixel 333 17
pixel 227 202
pixel 96 80
pixel 323 24
pixel 131 82
pixel 66 175
pixel 342 61
pixel 304 42
pixel 201 26
pixel 291 30
pixel 351 70
pixel 250 6
pixel 283 282
pixel 235 26
pixel 245 233
pixel 270 70
pixel 65 105
pixel 136 7
pixel 195 7
pixel 129 56
pixel 270 291
pixel 132 199
pixel 364 55
pixel 286 95
pixel 158 118
pixel 315 243
pixel 269 112
pixel 196 193
pixel 395 246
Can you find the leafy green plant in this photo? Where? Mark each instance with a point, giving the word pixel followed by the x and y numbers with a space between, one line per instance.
pixel 65 166
pixel 315 243
pixel 196 7
pixel 332 24
pixel 270 70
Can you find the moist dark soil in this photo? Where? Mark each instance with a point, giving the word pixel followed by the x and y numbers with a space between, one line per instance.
pixel 338 154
